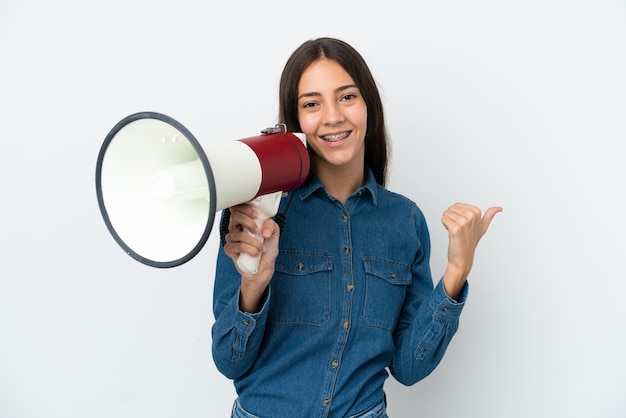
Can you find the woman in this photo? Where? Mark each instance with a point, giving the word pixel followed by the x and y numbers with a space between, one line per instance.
pixel 344 292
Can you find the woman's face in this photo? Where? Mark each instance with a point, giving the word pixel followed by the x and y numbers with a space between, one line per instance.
pixel 332 114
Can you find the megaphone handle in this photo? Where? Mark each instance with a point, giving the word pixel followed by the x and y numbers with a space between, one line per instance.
pixel 266 206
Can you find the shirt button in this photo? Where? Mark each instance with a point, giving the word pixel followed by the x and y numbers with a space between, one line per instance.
pixel 346 324
pixel 350 287
pixel 300 266
pixel 335 363
pixel 246 323
pixel 346 250
pixel 326 401
pixel 344 217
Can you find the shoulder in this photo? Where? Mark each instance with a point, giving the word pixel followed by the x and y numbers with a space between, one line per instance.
pixel 388 197
pixel 401 208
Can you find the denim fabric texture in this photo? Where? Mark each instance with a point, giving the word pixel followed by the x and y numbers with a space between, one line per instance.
pixel 379 411
pixel 351 299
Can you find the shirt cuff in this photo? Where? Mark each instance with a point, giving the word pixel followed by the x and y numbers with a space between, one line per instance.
pixel 444 307
pixel 247 322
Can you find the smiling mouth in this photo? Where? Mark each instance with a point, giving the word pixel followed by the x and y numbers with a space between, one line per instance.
pixel 335 138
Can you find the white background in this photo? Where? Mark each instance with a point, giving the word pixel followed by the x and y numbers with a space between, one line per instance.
pixel 516 103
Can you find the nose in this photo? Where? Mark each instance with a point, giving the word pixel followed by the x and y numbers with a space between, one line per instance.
pixel 332 114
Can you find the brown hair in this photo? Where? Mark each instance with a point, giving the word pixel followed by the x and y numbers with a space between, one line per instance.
pixel 376 142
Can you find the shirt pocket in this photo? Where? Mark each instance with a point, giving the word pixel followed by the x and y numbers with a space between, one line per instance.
pixel 301 288
pixel 386 284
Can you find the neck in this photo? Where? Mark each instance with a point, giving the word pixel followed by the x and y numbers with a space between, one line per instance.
pixel 341 182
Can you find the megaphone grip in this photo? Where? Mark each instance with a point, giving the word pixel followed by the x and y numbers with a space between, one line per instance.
pixel 266 206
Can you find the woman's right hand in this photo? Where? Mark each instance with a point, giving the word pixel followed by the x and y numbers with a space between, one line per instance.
pixel 238 241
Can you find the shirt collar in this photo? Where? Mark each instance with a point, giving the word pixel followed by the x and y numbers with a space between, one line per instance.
pixel 314 183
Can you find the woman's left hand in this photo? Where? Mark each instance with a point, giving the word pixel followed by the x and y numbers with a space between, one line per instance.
pixel 465 226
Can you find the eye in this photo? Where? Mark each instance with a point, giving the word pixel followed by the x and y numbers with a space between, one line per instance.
pixel 348 97
pixel 308 105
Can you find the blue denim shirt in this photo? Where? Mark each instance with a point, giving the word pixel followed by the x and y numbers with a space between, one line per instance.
pixel 351 299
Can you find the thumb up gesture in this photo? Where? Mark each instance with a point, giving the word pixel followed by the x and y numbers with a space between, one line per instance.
pixel 466 226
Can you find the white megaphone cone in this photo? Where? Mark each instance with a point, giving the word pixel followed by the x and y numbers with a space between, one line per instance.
pixel 159 190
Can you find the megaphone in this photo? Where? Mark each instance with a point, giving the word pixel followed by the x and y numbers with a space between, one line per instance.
pixel 159 190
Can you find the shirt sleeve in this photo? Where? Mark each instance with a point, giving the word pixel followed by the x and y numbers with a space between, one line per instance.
pixel 236 335
pixel 428 321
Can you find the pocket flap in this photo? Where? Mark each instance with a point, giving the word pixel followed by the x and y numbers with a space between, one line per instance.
pixel 391 271
pixel 300 263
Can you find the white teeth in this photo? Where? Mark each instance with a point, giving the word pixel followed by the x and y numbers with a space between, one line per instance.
pixel 335 138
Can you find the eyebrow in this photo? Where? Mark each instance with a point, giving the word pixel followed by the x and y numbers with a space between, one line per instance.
pixel 337 90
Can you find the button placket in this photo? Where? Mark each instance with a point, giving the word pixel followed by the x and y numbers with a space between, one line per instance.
pixel 345 325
